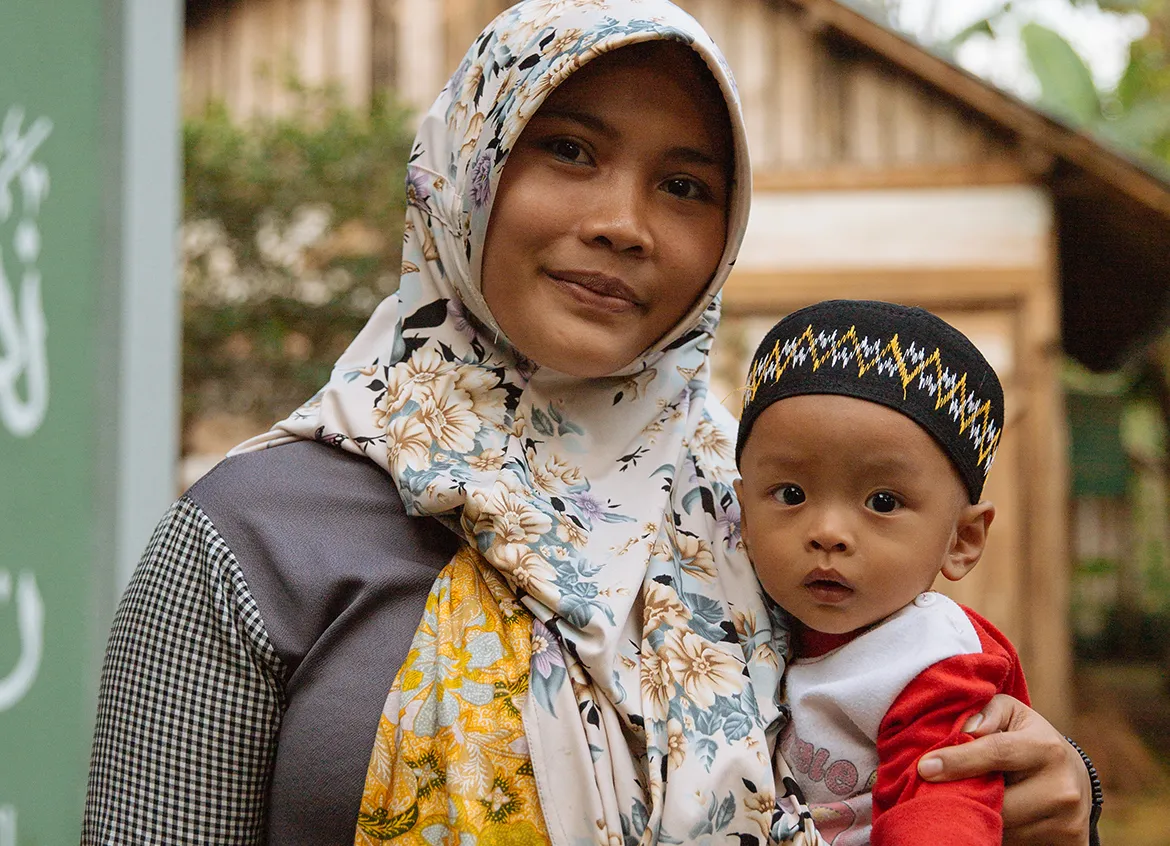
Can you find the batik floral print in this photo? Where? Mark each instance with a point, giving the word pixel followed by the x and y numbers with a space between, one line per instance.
pixel 451 762
pixel 606 504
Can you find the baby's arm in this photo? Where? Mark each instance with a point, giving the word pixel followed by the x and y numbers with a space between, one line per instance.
pixel 928 714
pixel 1052 793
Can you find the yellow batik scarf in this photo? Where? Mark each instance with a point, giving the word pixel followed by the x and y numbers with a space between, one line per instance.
pixel 451 758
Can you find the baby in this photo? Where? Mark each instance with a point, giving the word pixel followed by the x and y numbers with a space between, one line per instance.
pixel 867 432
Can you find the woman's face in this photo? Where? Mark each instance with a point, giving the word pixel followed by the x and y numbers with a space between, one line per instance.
pixel 611 213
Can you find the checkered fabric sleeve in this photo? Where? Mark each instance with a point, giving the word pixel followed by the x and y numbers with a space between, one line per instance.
pixel 190 702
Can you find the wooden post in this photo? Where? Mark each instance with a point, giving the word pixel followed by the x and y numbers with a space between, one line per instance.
pixel 792 117
pixel 1046 593
pixel 383 45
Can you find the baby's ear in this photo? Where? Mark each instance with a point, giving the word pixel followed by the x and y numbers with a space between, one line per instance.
pixel 969 541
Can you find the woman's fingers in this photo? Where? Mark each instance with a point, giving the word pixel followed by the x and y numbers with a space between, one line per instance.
pixel 1002 713
pixel 1047 798
pixel 1047 810
pixel 1043 834
pixel 1001 751
pixel 1049 803
pixel 1009 736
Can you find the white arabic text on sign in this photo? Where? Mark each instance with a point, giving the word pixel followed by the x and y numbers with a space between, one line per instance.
pixel 22 318
pixel 7 825
pixel 30 620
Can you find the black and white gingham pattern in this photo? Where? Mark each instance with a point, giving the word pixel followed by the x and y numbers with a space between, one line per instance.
pixel 191 699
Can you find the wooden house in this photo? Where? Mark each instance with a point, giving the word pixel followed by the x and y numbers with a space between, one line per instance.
pixel 881 171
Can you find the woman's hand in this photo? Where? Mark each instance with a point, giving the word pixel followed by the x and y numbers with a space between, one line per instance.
pixel 1048 796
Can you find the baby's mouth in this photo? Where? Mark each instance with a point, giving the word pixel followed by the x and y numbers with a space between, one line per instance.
pixel 827 586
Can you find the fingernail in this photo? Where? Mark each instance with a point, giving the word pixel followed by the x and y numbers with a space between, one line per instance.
pixel 928 767
pixel 973 723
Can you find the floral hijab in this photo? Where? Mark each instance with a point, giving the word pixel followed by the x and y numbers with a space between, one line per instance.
pixel 607 503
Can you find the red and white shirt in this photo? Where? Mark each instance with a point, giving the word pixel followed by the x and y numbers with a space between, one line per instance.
pixel 866 706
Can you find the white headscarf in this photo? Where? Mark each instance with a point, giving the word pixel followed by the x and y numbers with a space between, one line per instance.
pixel 606 503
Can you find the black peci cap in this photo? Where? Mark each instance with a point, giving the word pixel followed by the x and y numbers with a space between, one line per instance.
pixel 901 357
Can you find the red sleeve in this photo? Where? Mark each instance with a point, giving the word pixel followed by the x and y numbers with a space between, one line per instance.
pixel 927 715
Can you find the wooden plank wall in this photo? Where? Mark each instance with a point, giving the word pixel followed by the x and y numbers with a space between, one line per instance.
pixel 818 113
pixel 245 56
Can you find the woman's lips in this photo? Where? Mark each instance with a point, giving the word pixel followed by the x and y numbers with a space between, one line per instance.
pixel 596 290
pixel 827 586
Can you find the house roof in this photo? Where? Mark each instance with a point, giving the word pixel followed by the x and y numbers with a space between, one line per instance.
pixel 1112 213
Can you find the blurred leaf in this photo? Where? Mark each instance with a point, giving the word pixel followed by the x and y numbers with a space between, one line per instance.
pixel 1121 6
pixel 1066 86
pixel 983 26
pixel 1147 75
pixel 980 27
pixel 1134 80
pixel 1139 127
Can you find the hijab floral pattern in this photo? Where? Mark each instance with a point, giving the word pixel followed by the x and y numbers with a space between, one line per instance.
pixel 606 504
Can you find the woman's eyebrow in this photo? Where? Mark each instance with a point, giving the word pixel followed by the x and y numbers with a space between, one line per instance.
pixel 689 155
pixel 586 119
pixel 692 155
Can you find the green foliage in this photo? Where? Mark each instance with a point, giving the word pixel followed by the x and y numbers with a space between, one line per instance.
pixel 292 234
pixel 1127 636
pixel 1066 85
pixel 1143 95
pixel 1136 115
pixel 1113 5
pixel 984 26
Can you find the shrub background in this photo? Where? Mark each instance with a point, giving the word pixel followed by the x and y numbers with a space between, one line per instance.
pixel 292 234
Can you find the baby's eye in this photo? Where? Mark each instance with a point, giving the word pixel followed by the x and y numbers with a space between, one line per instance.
pixel 686 189
pixel 790 494
pixel 883 502
pixel 569 150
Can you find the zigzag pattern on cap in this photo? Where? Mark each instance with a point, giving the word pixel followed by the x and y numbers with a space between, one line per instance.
pixel 949 390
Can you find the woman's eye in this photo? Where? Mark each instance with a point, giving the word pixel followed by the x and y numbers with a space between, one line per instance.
pixel 883 502
pixel 790 494
pixel 568 150
pixel 686 189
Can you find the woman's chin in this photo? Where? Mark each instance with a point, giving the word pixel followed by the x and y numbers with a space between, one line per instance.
pixel 580 357
pixel 582 366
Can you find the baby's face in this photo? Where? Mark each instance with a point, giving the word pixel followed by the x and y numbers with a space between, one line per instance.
pixel 850 509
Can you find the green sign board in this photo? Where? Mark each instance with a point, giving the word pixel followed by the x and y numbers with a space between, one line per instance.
pixel 67 275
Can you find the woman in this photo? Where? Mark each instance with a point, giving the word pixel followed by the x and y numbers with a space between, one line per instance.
pixel 535 392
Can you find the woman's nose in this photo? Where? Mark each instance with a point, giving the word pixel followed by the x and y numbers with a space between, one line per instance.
pixel 618 217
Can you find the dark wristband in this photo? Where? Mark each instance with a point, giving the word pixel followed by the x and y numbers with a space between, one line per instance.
pixel 1098 796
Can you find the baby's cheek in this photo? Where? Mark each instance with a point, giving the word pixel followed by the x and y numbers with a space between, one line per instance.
pixel 771 584
pixel 763 560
